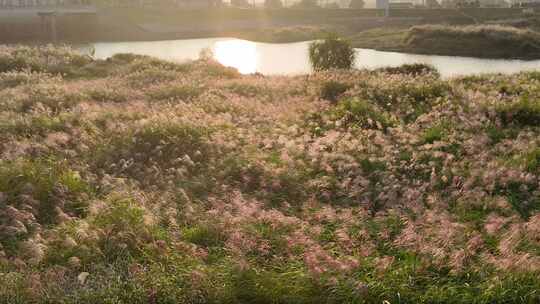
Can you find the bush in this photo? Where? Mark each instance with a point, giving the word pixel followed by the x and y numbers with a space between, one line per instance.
pixel 109 94
pixel 128 228
pixel 53 96
pixel 532 160
pixel 404 99
pixel 41 59
pixel 178 92
pixel 246 90
pixel 51 183
pixel 412 69
pixel 525 112
pixel 158 146
pixel 39 125
pixel 331 90
pixel 435 133
pixel 17 78
pixel 204 235
pixel 331 53
pixel 354 113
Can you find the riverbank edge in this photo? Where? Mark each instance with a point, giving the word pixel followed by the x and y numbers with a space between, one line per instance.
pixel 356 43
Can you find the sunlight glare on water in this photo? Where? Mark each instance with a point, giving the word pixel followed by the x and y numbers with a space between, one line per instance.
pixel 292 58
pixel 239 54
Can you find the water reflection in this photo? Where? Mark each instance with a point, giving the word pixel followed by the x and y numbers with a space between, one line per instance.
pixel 292 58
pixel 448 66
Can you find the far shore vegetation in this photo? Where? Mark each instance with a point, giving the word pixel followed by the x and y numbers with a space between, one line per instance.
pixel 483 41
pixel 488 33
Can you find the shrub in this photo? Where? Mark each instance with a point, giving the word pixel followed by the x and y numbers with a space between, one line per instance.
pixel 412 69
pixel 205 235
pixel 435 133
pixel 246 90
pixel 154 147
pixel 496 134
pixel 275 286
pixel 51 95
pixel 331 53
pixel 127 226
pixel 525 112
pixel 40 124
pixel 175 92
pixel 53 184
pixel 48 59
pixel 109 94
pixel 150 76
pixel 215 69
pixel 331 90
pixel 532 160
pixel 126 58
pixel 16 78
pixel 520 196
pixel 405 97
pixel 355 113
pixel 140 63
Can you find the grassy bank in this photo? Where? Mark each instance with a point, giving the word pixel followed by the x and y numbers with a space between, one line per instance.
pixel 484 41
pixel 478 41
pixel 134 180
pixel 404 31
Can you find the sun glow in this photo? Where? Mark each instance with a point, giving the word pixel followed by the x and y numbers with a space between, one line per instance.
pixel 238 54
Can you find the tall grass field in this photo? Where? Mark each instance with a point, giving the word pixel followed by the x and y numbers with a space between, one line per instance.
pixel 135 180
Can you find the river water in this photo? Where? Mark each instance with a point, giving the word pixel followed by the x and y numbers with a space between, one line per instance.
pixel 292 58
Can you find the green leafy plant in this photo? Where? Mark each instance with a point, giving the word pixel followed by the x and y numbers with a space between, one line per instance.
pixel 525 112
pixel 355 113
pixel 331 90
pixel 413 69
pixel 331 53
